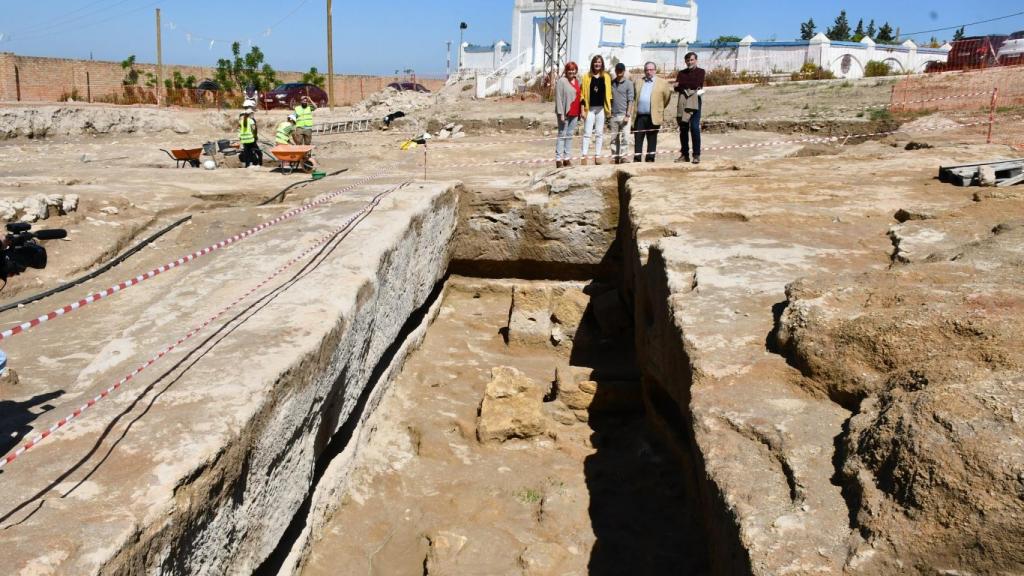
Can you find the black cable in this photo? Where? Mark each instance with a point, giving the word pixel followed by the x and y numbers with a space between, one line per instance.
pixel 294 184
pixel 96 272
pixel 962 25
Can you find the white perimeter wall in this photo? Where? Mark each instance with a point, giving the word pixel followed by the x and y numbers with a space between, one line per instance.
pixel 844 59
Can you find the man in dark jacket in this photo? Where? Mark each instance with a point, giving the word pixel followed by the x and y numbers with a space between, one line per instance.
pixel 689 85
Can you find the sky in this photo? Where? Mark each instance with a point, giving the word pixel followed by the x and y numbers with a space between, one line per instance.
pixel 382 36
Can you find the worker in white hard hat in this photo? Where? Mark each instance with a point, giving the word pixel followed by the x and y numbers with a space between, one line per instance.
pixel 248 135
pixel 286 130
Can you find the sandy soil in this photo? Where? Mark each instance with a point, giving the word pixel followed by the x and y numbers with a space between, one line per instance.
pixel 597 497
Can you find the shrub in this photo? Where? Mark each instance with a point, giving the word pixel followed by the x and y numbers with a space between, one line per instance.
pixel 811 71
pixel 875 68
pixel 724 76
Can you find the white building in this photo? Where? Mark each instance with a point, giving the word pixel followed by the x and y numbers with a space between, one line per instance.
pixel 615 29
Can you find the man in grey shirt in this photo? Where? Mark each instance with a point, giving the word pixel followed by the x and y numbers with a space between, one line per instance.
pixel 623 94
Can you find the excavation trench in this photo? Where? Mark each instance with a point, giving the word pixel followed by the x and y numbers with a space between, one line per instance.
pixel 590 473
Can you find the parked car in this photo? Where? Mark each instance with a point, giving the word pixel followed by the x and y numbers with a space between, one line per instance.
pixel 289 95
pixel 408 87
pixel 1012 51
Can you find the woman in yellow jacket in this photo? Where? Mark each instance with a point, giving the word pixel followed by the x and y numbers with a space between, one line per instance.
pixel 597 106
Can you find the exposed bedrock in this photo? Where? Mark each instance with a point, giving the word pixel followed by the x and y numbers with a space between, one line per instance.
pixel 559 226
pixel 787 481
pixel 930 357
pixel 72 120
pixel 209 482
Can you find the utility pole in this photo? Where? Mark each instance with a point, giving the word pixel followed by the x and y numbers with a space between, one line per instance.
pixel 330 56
pixel 448 61
pixel 556 37
pixel 159 61
pixel 462 30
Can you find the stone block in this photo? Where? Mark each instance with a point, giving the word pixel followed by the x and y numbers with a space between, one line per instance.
pixel 511 407
pixel 529 322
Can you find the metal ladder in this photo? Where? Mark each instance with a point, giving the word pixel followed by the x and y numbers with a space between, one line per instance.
pixel 343 127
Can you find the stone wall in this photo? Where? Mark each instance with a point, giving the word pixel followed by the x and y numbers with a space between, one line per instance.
pixel 37 79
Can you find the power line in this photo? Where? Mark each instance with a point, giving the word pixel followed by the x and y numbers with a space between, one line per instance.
pixel 89 24
pixel 43 25
pixel 52 27
pixel 962 25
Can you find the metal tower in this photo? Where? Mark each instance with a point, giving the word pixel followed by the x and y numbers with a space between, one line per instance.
pixel 557 21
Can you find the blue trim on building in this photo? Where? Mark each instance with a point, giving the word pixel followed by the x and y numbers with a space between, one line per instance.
pixel 714 45
pixel 792 43
pixel 622 41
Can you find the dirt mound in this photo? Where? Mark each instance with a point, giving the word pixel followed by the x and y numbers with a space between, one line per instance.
pixel 929 356
pixel 43 121
pixel 390 100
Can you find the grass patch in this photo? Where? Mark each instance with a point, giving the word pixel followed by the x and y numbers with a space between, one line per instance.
pixel 529 496
pixel 880 114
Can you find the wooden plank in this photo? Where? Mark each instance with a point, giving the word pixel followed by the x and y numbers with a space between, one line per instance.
pixel 1011 181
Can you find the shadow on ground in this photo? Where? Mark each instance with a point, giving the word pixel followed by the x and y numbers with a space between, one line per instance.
pixel 642 517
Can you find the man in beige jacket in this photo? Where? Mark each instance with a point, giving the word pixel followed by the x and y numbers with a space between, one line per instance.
pixel 652 96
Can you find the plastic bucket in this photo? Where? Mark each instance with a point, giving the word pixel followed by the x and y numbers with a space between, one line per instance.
pixel 318 175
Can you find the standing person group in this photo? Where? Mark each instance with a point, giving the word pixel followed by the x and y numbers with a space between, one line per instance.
pixel 635 107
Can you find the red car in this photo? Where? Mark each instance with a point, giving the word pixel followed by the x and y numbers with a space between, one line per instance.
pixel 289 95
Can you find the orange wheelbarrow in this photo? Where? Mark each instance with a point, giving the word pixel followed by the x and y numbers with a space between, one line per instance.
pixel 293 157
pixel 184 156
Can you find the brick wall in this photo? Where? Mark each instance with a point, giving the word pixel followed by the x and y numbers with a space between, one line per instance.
pixel 53 79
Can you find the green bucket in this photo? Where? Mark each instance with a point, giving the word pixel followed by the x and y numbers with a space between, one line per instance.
pixel 318 175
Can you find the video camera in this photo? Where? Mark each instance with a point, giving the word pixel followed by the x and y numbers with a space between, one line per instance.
pixel 20 251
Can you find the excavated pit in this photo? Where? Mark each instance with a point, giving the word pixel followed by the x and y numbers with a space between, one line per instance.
pixel 601 370
pixel 574 481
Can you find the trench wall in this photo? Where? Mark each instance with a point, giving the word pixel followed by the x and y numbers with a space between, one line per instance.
pixel 216 490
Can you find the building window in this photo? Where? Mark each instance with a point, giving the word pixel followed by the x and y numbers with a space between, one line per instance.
pixel 613 32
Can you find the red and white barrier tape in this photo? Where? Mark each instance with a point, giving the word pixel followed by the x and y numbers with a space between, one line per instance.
pixel 65 421
pixel 670 128
pixel 125 284
pixel 814 139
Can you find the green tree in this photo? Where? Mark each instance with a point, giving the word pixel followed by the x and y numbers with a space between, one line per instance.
pixel 959 34
pixel 314 77
pixel 934 43
pixel 858 34
pixel 871 29
pixel 131 75
pixel 178 81
pixel 241 71
pixel 840 30
pixel 724 39
pixel 885 35
pixel 807 30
